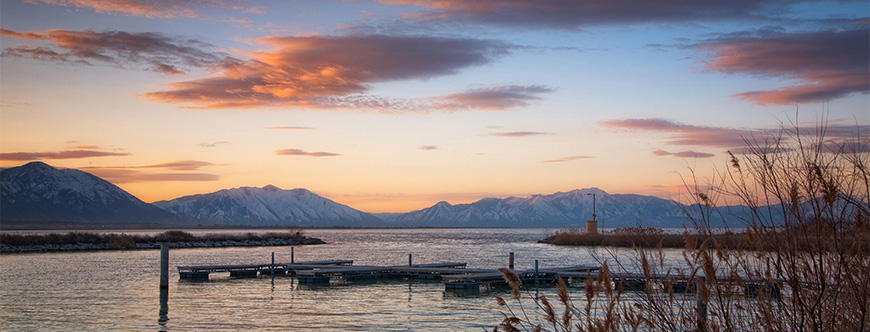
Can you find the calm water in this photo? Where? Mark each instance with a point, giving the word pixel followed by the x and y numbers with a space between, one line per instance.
pixel 118 290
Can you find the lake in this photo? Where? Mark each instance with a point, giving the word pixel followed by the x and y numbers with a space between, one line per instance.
pixel 118 290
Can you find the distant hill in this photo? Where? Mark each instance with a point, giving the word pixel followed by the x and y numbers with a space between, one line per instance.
pixel 37 193
pixel 269 205
pixel 563 209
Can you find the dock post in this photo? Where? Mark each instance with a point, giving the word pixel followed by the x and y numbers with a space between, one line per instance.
pixel 409 260
pixel 511 262
pixel 536 272
pixel 291 255
pixel 272 267
pixel 701 309
pixel 164 265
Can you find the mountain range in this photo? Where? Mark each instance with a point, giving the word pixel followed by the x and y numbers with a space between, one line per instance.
pixel 36 193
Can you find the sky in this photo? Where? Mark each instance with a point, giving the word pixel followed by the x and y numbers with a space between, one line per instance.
pixel 395 105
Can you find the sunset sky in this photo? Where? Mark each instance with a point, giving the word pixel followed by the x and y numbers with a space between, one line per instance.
pixel 394 105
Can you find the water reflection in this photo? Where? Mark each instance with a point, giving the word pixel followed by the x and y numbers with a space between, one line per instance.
pixel 164 309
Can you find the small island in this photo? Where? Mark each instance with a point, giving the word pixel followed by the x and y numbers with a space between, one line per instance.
pixel 87 241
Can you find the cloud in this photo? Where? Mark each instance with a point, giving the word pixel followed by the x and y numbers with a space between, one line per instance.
pixel 498 97
pixel 150 8
pixel 180 165
pixel 213 144
pixel 326 72
pixel 685 134
pixel 117 176
pixel 829 64
pixel 683 154
pixel 156 51
pixel 731 138
pixel 428 147
pixel 518 134
pixel 574 14
pixel 297 152
pixel 290 128
pixel 565 159
pixel 67 154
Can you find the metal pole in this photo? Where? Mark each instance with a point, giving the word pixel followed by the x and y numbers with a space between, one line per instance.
pixel 164 265
pixel 291 255
pixel 272 267
pixel 511 261
pixel 409 260
pixel 536 272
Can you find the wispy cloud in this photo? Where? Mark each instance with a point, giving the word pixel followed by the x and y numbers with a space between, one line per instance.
pixel 731 138
pixel 498 97
pixel 566 159
pixel 518 134
pixel 290 128
pixel 180 165
pixel 428 147
pixel 831 64
pixel 575 14
pixel 298 152
pixel 122 175
pixel 683 154
pixel 159 53
pixel 212 144
pixel 67 154
pixel 324 72
pixel 153 8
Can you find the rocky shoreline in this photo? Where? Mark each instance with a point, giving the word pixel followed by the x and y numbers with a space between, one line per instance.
pixel 193 243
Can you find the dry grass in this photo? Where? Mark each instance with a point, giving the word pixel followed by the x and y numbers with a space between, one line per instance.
pixel 803 263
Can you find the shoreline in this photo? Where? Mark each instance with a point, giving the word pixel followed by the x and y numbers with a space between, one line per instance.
pixel 84 242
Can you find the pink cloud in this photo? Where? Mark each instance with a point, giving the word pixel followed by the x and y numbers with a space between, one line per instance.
pixel 297 152
pixel 68 154
pixel 498 97
pixel 731 138
pixel 290 128
pixel 428 147
pixel 829 64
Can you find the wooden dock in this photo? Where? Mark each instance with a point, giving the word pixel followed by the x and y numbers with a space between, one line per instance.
pixel 455 275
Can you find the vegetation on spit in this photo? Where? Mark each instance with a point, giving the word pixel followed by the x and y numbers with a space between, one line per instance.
pixel 801 264
pixel 129 241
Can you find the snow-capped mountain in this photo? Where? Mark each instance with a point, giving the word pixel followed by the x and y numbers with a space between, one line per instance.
pixel 36 192
pixel 268 205
pixel 563 209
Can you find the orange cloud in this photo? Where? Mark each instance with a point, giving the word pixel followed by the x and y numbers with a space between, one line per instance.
pixel 324 72
pixel 158 52
pixel 831 64
pixel 297 152
pixel 68 154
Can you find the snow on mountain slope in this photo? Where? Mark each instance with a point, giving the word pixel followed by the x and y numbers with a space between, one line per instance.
pixel 268 205
pixel 38 192
pixel 563 209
